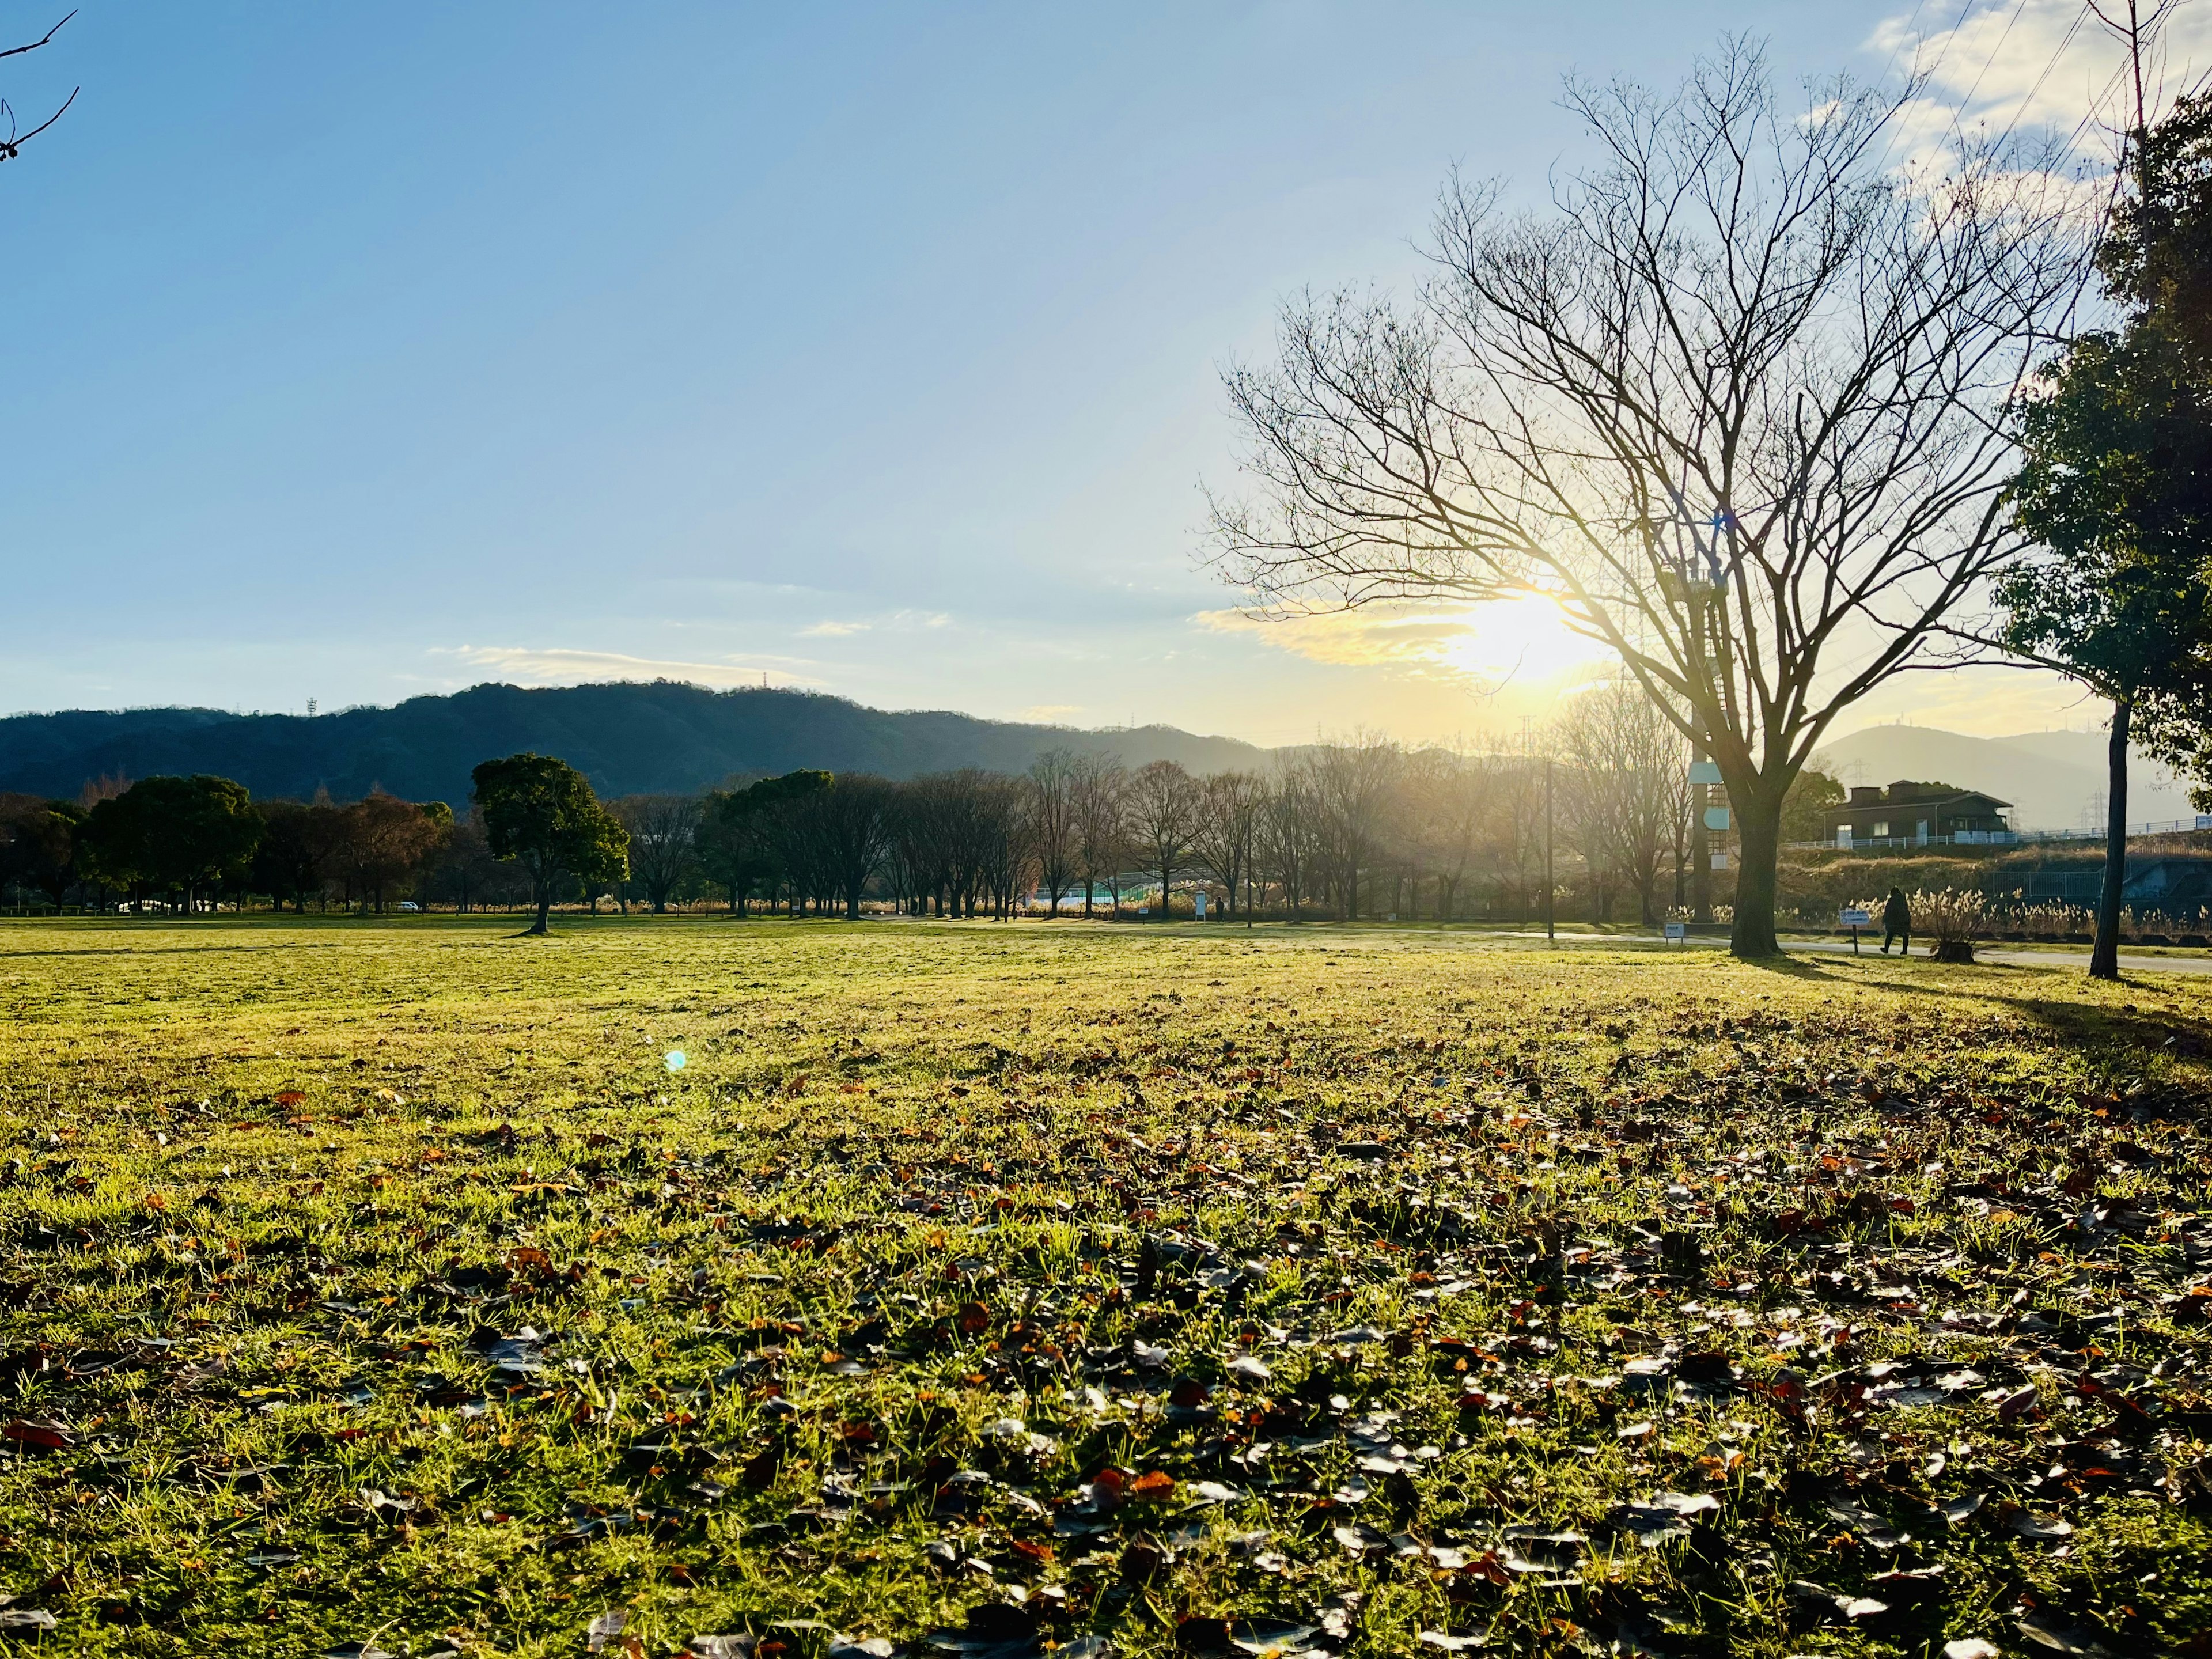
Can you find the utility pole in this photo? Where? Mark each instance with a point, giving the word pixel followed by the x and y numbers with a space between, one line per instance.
pixel 1701 843
pixel 1551 930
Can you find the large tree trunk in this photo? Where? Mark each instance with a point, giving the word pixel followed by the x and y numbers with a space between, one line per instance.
pixel 2104 954
pixel 544 906
pixel 1759 842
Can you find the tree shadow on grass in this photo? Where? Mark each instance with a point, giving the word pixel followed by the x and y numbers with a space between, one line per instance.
pixel 2124 1037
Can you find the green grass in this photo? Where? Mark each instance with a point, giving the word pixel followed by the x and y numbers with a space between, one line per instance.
pixel 1070 1272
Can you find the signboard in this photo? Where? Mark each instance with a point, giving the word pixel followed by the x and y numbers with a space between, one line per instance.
pixel 1705 772
pixel 1720 860
pixel 1198 904
pixel 1676 930
pixel 1716 817
pixel 1856 919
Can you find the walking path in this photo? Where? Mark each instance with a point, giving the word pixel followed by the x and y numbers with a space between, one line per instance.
pixel 2077 960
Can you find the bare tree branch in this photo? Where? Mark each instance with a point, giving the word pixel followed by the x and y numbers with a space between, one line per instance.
pixel 1737 406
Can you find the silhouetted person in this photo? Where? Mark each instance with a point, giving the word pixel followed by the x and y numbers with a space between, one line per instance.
pixel 1897 923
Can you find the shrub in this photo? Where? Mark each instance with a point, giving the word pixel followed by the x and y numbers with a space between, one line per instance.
pixel 1953 919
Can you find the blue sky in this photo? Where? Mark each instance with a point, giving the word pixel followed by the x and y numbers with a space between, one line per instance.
pixel 354 352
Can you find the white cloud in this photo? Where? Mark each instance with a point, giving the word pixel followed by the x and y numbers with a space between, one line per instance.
pixel 2030 64
pixel 897 622
pixel 540 665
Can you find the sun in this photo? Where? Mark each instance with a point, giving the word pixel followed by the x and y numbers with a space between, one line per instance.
pixel 1525 641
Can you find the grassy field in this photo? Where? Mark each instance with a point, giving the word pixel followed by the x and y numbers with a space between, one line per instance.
pixel 1000 1288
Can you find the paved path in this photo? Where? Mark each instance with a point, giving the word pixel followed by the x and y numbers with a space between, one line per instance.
pixel 2078 961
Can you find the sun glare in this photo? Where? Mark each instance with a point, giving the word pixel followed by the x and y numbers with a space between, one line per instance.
pixel 1524 641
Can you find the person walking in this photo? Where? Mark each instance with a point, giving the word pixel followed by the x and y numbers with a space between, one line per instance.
pixel 1897 923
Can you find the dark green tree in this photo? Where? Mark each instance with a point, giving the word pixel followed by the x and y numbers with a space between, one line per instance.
pixel 738 842
pixel 2116 484
pixel 38 844
pixel 541 812
pixel 845 831
pixel 1804 809
pixel 186 836
pixel 296 838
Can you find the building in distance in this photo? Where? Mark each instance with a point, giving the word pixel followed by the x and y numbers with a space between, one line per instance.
pixel 1909 814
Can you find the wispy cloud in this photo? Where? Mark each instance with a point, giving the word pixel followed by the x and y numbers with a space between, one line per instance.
pixel 2029 63
pixel 897 622
pixel 1476 648
pixel 554 665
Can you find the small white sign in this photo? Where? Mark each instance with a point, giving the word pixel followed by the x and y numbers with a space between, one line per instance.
pixel 1677 930
pixel 1856 919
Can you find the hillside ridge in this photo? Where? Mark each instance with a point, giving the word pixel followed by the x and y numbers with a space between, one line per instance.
pixel 628 737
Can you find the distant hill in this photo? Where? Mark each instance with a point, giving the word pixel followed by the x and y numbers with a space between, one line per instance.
pixel 2052 778
pixel 626 738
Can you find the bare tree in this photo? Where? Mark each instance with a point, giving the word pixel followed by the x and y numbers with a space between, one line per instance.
pixel 1054 820
pixel 954 838
pixel 1457 809
pixel 1008 865
pixel 1228 820
pixel 1353 783
pixel 1287 841
pixel 12 145
pixel 663 842
pixel 1627 766
pixel 1736 406
pixel 1166 806
pixel 1099 792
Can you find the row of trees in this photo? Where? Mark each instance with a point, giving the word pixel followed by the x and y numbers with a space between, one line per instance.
pixel 1361 827
pixel 1357 828
pixel 534 828
pixel 192 842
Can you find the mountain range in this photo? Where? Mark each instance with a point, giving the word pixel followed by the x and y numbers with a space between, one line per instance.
pixel 626 737
pixel 630 738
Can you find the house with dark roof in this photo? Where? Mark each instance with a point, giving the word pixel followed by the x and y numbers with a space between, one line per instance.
pixel 1909 814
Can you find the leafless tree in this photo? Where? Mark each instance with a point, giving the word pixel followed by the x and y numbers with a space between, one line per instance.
pixel 1054 820
pixel 12 145
pixel 1735 405
pixel 1099 792
pixel 1288 840
pixel 1457 810
pixel 1008 866
pixel 1628 764
pixel 1166 806
pixel 1353 779
pixel 1228 822
pixel 663 842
